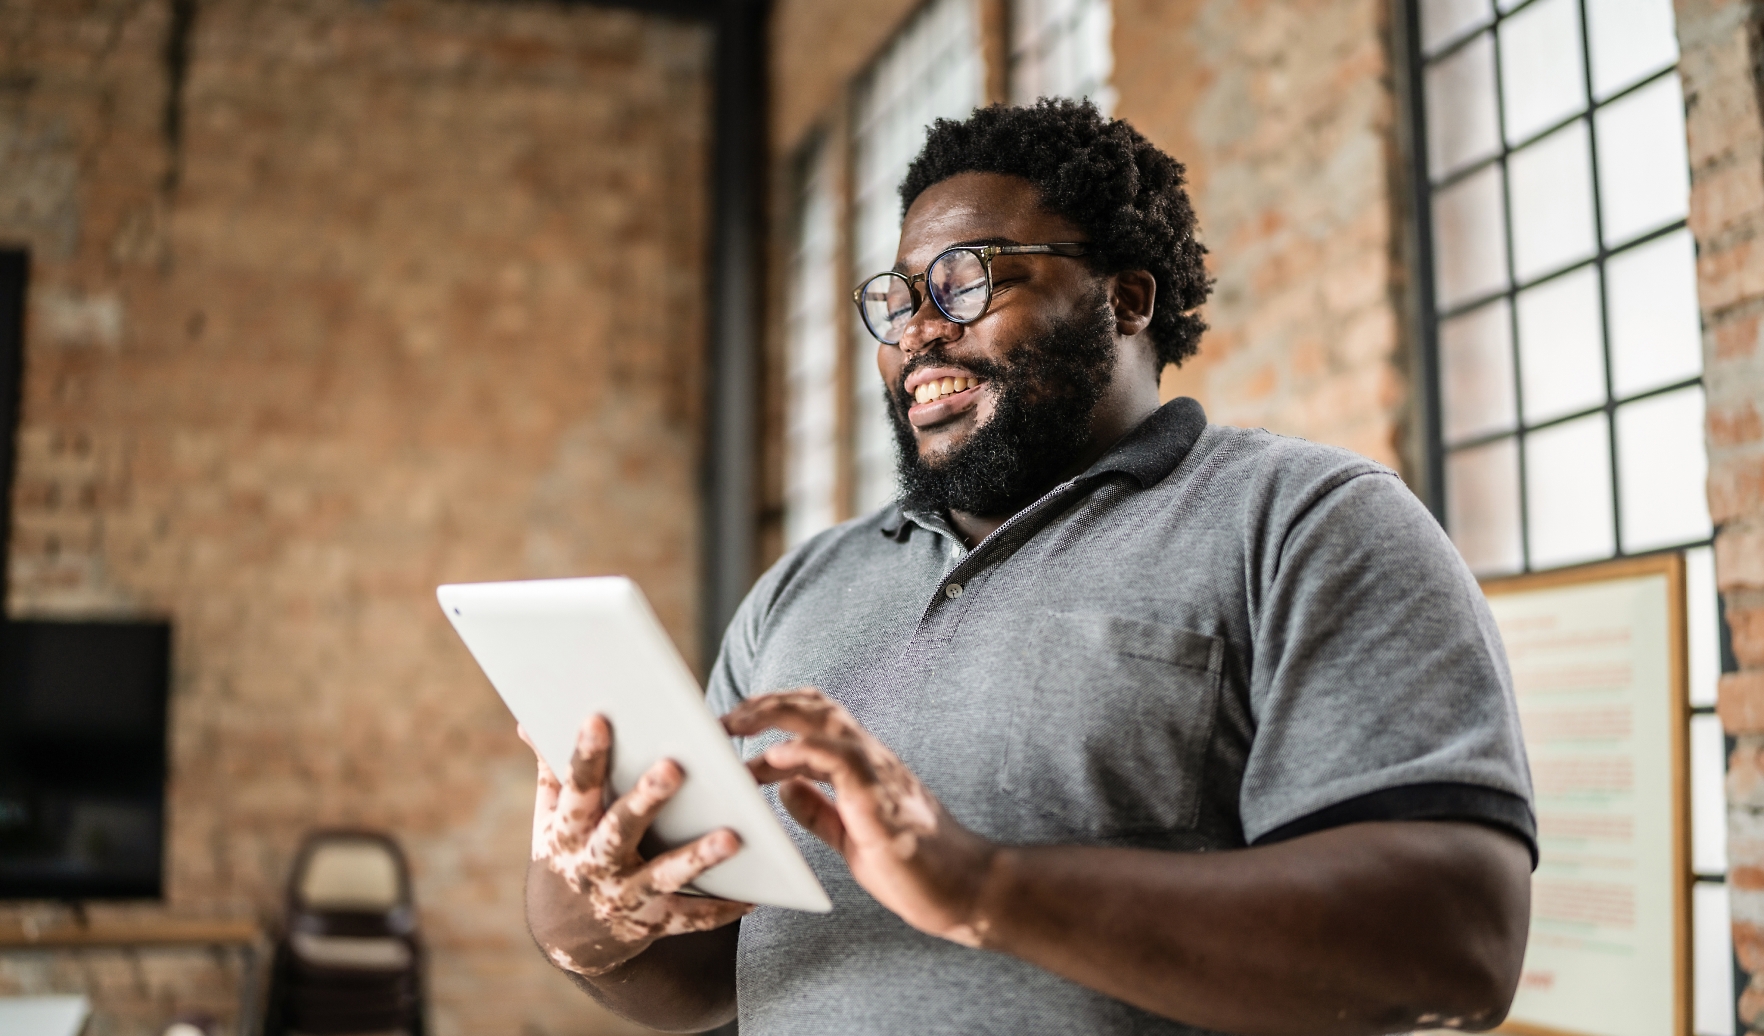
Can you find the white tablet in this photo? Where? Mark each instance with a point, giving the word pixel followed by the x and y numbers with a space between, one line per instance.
pixel 560 650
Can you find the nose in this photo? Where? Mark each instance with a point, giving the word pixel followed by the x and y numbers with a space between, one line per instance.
pixel 927 327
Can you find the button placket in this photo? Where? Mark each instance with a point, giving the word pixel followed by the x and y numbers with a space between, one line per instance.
pixel 1001 544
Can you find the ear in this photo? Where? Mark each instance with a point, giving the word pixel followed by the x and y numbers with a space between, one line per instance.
pixel 1134 297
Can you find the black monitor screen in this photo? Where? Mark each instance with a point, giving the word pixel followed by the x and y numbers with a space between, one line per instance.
pixel 82 759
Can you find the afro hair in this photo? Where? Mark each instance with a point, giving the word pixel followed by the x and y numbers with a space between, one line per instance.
pixel 1100 174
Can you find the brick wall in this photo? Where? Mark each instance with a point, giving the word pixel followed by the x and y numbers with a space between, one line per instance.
pixel 416 298
pixel 1719 40
pixel 1283 112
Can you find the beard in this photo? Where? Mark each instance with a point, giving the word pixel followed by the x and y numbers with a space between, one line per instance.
pixel 1040 427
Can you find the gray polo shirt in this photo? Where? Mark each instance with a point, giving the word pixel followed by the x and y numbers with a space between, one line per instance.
pixel 1213 638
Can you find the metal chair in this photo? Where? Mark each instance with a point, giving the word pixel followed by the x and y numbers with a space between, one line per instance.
pixel 350 960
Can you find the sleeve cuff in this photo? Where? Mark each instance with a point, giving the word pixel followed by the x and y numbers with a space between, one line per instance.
pixel 1435 801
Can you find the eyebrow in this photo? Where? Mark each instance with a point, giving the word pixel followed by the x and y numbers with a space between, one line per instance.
pixel 970 243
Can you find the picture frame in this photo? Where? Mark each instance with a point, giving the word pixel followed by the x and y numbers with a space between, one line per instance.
pixel 1599 660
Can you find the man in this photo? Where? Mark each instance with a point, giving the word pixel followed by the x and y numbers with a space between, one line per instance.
pixel 1134 724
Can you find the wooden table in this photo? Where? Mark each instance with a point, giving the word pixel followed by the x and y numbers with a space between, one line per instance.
pixel 151 933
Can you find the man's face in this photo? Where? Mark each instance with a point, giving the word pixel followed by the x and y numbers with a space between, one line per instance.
pixel 1035 366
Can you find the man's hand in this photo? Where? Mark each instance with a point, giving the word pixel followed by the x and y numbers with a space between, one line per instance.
pixel 612 904
pixel 1366 928
pixel 895 836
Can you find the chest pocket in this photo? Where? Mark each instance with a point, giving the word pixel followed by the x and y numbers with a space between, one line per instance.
pixel 1110 736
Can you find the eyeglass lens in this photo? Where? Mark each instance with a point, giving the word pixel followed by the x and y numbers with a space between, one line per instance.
pixel 956 282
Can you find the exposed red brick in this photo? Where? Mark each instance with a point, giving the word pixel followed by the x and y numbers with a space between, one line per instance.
pixel 1751 1005
pixel 1736 486
pixel 380 337
pixel 1739 558
pixel 1748 941
pixel 1747 628
pixel 1731 275
pixel 1725 198
pixel 1741 707
pixel 1735 425
pixel 1736 339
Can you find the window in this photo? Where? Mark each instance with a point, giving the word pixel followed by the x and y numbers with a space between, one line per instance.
pixel 1564 331
pixel 933 69
pixel 811 363
pixel 1061 48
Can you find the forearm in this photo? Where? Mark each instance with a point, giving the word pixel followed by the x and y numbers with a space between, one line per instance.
pixel 1365 929
pixel 684 983
pixel 679 983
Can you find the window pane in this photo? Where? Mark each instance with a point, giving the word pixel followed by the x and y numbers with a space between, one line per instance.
pixel 1629 39
pixel 1656 330
pixel 931 69
pixel 1470 241
pixel 1644 173
pixel 1561 356
pixel 1445 20
pixel 1061 48
pixel 1551 183
pixel 1568 492
pixel 1708 764
pixel 1712 934
pixel 1476 372
pixel 1482 506
pixel 1700 628
pixel 1462 124
pixel 811 360
pixel 1542 81
pixel 1662 468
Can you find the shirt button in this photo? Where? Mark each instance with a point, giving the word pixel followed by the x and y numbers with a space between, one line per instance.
pixel 953 591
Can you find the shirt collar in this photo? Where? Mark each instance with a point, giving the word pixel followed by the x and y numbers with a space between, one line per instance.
pixel 1146 454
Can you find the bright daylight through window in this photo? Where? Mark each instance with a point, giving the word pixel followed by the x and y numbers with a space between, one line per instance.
pixel 933 69
pixel 811 343
pixel 1061 48
pixel 1566 331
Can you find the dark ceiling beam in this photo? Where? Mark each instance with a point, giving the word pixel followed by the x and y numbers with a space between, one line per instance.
pixel 697 10
pixel 735 277
pixel 736 280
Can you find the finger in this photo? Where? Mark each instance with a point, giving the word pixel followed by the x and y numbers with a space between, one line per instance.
pixel 800 711
pixel 765 771
pixel 582 800
pixel 549 786
pixel 702 913
pixel 544 795
pixel 544 808
pixel 546 777
pixel 674 870
pixel 841 760
pixel 617 833
pixel 814 811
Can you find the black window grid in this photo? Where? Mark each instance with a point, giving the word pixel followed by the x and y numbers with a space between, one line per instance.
pixel 1431 316
pixel 1437 448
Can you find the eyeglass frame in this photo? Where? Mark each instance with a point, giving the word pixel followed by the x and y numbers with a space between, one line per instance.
pixel 985 253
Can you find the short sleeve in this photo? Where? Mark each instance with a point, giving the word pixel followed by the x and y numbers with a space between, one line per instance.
pixel 732 672
pixel 1379 688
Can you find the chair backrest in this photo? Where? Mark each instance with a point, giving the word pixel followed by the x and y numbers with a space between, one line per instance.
pixel 350 871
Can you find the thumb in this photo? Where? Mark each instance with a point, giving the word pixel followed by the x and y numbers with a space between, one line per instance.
pixel 814 811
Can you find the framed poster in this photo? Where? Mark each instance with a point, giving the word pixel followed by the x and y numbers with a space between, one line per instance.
pixel 1598 661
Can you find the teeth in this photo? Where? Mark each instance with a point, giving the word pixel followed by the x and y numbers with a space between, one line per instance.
pixel 933 390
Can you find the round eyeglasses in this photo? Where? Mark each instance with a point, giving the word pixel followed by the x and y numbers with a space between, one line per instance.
pixel 959 282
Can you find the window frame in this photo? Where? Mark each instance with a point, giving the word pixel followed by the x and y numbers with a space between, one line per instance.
pixel 1427 317
pixel 1430 316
